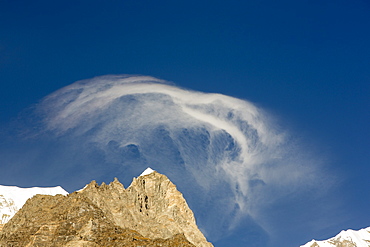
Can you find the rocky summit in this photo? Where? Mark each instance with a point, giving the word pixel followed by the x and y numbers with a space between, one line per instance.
pixel 150 212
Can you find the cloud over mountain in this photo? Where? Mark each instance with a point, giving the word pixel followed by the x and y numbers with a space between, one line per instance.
pixel 228 156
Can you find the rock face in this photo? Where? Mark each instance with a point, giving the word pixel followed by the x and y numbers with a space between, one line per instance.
pixel 150 212
pixel 349 238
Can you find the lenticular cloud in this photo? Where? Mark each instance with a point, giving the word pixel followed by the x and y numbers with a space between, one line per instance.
pixel 225 154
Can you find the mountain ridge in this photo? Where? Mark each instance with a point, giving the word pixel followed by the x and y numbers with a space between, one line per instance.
pixel 150 212
pixel 346 238
pixel 12 198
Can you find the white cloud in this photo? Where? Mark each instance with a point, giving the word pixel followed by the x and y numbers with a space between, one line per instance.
pixel 218 149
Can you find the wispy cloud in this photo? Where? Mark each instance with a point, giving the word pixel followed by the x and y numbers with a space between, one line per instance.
pixel 225 154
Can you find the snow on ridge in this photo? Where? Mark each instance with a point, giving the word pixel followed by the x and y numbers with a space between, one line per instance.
pixel 147 171
pixel 359 238
pixel 12 198
pixel 82 188
pixel 20 195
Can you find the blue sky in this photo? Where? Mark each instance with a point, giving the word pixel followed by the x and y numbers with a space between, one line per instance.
pixel 305 62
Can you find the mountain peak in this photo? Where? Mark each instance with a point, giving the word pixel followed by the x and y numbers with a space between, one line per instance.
pixel 150 209
pixel 147 171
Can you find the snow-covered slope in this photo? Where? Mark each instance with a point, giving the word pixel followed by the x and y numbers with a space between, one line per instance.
pixel 349 238
pixel 12 198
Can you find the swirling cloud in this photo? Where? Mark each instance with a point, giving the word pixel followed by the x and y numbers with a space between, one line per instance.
pixel 225 154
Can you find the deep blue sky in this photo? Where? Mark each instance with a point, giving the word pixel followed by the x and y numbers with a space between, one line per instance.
pixel 307 62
